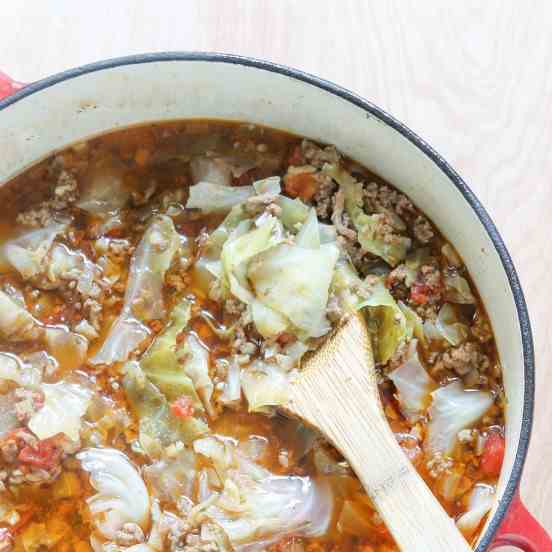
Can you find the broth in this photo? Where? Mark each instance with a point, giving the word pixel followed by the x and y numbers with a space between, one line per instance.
pixel 145 174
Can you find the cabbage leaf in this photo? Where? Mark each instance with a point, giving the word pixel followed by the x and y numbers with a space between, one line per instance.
pixel 28 252
pixel 160 362
pixel 391 323
pixel 391 251
pixel 157 426
pixel 480 504
pixel 265 385
pixel 122 496
pixel 64 406
pixel 143 297
pixel 295 282
pixel 452 410
pixel 211 198
pixel 257 508
pixel 413 384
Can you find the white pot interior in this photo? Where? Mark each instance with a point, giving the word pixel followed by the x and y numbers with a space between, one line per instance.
pixel 95 102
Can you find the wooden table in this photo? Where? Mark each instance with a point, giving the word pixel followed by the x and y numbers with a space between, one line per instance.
pixel 473 78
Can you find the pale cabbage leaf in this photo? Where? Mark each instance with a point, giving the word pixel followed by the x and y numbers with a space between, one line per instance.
pixel 413 384
pixel 211 198
pixel 257 508
pixel 295 282
pixel 64 406
pixel 480 504
pixel 122 496
pixel 195 363
pixel 27 253
pixel 143 297
pixel 161 364
pixel 450 328
pixel 265 385
pixel 104 192
pixel 452 410
pixel 391 323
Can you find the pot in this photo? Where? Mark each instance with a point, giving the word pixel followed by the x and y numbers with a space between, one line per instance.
pixel 55 112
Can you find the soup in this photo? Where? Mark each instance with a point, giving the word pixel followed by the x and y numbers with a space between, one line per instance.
pixel 159 288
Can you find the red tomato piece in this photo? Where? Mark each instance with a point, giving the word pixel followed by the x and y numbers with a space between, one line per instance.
pixel 183 407
pixel 46 455
pixel 493 455
pixel 419 293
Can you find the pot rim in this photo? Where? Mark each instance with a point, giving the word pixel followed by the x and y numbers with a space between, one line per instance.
pixel 453 176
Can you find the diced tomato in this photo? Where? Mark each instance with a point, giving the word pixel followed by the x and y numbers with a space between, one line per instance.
pixel 182 407
pixel 493 455
pixel 46 455
pixel 419 293
pixel 296 158
pixel 303 185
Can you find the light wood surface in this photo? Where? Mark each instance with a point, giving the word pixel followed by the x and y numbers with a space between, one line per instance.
pixel 473 78
pixel 337 383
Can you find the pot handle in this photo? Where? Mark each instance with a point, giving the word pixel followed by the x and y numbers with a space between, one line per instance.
pixel 8 86
pixel 521 530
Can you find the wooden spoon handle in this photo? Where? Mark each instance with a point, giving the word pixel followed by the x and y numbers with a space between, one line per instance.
pixel 335 403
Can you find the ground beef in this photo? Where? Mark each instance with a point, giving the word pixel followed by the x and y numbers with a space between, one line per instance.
pixel 27 403
pixel 342 222
pixel 38 217
pixel 323 198
pixel 130 534
pixel 318 156
pixel 422 229
pixel 63 195
pixel 463 359
pixel 378 197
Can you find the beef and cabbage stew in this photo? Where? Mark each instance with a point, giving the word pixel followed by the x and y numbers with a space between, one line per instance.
pixel 159 287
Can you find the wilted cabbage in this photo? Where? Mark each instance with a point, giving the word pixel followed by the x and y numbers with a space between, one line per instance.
pixel 414 324
pixel 143 296
pixel 265 385
pixel 295 282
pixel 214 171
pixel 195 363
pixel 157 426
pixel 160 363
pixel 452 410
pixel 172 478
pixel 391 322
pixel 14 369
pixel 28 252
pixel 69 348
pixel 242 245
pixel 392 251
pixel 457 289
pixel 257 508
pixel 413 384
pixel 450 328
pixel 122 496
pixel 217 198
pixel 481 501
pixel 16 323
pixel 64 406
pixel 104 192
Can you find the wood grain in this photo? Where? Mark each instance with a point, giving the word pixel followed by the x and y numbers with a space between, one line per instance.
pixel 337 384
pixel 473 78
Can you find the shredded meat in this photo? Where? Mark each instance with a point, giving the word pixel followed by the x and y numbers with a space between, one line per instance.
pixel 463 359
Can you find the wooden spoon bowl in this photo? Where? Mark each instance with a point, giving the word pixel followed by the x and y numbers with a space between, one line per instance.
pixel 337 393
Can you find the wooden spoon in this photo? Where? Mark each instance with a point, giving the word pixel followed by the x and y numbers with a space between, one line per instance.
pixel 337 393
